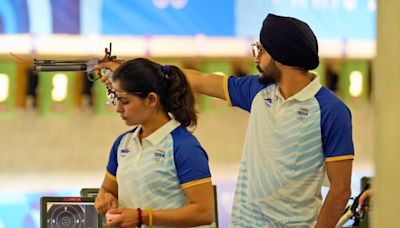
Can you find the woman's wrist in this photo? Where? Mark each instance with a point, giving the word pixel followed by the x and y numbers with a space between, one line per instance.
pixel 139 217
pixel 147 217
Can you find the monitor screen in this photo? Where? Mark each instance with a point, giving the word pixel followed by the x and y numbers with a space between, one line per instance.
pixel 66 212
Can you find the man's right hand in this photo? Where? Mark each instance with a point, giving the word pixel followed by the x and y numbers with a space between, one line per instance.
pixel 105 202
pixel 110 65
pixel 364 201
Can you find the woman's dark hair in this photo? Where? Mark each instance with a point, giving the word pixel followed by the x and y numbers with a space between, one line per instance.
pixel 141 76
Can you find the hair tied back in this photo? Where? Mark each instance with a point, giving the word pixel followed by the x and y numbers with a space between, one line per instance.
pixel 166 70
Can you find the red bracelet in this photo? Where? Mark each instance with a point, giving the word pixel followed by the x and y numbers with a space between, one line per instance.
pixel 139 217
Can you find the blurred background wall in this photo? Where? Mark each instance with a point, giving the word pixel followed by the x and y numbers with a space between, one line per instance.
pixel 56 129
pixel 386 204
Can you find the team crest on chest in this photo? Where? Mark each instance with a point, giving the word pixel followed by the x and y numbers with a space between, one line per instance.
pixel 302 113
pixel 159 155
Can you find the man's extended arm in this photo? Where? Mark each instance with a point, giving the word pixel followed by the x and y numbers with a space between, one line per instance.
pixel 203 83
pixel 207 84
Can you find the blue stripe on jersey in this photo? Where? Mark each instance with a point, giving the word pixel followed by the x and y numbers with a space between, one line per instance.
pixel 242 90
pixel 336 126
pixel 191 161
pixel 112 160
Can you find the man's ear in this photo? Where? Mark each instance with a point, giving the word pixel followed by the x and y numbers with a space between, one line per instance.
pixel 152 99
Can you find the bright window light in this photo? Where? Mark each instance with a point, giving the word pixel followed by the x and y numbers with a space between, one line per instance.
pixel 219 73
pixel 4 86
pixel 356 82
pixel 60 86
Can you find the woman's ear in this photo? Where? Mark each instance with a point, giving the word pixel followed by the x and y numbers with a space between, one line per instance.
pixel 152 99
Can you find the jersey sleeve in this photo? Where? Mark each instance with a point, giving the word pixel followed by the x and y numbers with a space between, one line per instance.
pixel 112 160
pixel 191 162
pixel 336 129
pixel 240 91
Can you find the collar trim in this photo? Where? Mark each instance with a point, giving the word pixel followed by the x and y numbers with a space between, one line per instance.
pixel 306 93
pixel 156 137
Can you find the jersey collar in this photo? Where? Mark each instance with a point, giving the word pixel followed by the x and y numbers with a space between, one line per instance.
pixel 306 93
pixel 156 137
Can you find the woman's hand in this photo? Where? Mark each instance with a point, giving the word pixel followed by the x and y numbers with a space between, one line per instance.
pixel 105 202
pixel 122 217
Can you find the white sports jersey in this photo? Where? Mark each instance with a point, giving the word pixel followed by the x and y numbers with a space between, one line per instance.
pixel 153 174
pixel 286 147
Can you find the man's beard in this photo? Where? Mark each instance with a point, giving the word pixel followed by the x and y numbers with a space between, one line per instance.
pixel 271 74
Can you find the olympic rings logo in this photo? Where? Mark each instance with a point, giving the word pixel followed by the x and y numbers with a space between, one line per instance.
pixel 177 4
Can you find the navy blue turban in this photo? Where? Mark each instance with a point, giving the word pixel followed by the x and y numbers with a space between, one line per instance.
pixel 290 41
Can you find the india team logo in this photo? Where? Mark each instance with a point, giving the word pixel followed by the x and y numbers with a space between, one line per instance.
pixel 302 113
pixel 159 155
